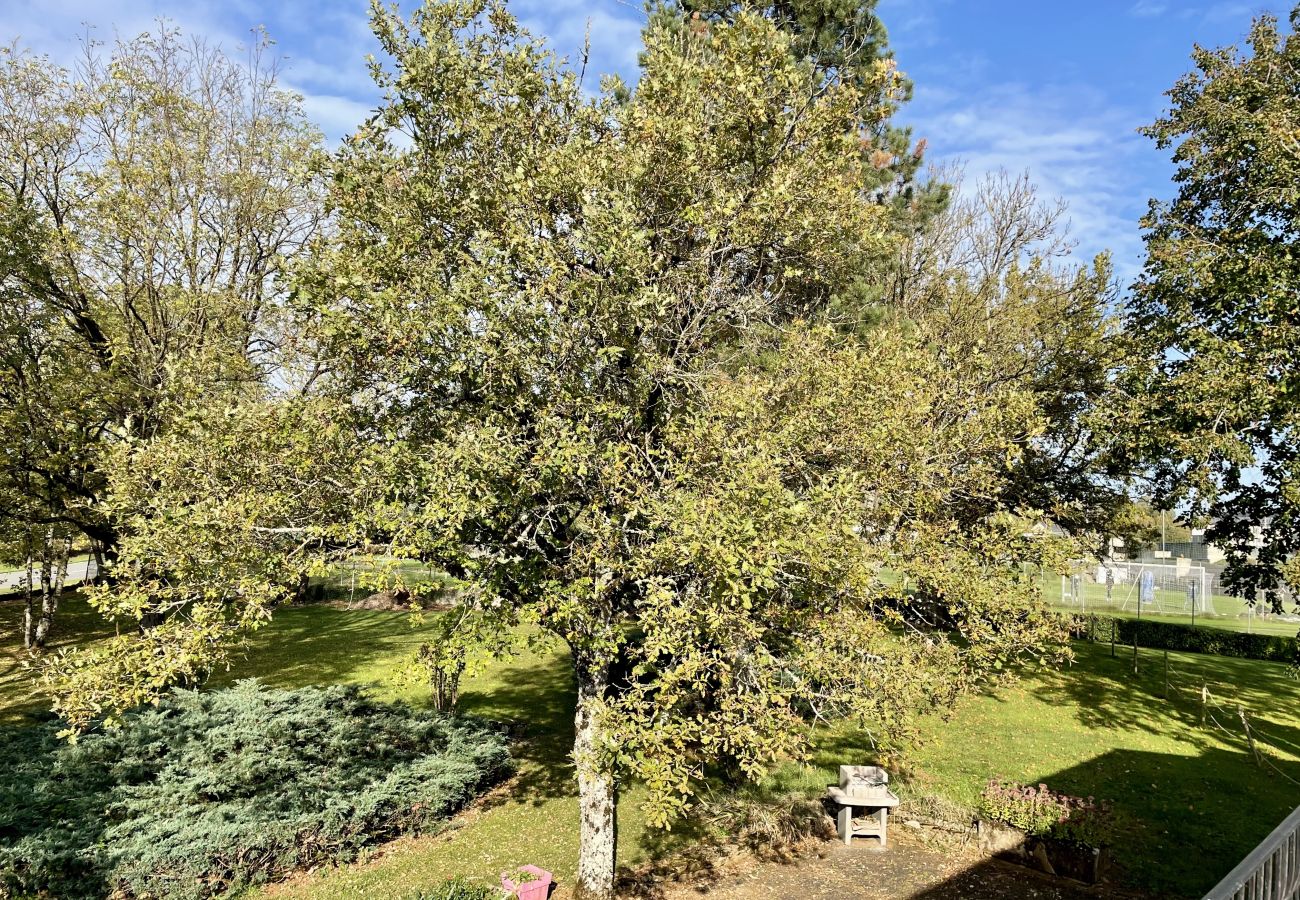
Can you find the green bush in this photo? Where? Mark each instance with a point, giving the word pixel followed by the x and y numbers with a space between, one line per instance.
pixel 459 889
pixel 213 791
pixel 1175 636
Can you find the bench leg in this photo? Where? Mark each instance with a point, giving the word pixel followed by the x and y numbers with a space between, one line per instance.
pixel 845 823
pixel 884 824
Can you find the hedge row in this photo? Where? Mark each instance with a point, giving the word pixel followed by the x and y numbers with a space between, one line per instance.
pixel 211 792
pixel 1175 636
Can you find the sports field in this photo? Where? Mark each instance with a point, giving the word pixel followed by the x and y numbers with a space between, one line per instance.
pixel 1168 605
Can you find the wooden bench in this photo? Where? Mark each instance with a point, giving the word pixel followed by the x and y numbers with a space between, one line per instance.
pixel 865 788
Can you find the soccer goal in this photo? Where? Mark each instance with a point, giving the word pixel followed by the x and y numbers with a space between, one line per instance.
pixel 1165 588
pixel 1138 587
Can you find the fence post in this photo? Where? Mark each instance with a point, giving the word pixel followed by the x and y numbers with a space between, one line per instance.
pixel 1250 738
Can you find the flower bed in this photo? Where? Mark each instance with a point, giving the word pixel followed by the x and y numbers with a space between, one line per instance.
pixel 1034 825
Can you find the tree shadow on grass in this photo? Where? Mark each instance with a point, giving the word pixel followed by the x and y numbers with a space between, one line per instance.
pixel 75 623
pixel 1180 823
pixel 532 694
pixel 535 697
pixel 1112 696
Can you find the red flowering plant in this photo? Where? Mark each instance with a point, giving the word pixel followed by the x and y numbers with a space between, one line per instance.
pixel 1042 812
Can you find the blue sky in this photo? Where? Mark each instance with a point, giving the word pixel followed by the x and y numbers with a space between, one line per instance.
pixel 1054 88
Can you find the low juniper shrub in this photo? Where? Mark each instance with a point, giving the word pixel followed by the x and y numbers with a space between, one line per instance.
pixel 212 791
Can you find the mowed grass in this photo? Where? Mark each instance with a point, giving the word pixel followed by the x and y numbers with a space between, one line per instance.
pixel 74 622
pixel 1190 800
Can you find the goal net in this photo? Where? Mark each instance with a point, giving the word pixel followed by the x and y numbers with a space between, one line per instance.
pixel 1140 587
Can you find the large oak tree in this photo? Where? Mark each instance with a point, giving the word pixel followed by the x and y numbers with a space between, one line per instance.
pixel 568 352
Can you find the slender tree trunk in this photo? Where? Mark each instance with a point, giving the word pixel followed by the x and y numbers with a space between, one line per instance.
pixel 597 792
pixel 31 622
pixel 29 596
pixel 99 561
pixel 50 600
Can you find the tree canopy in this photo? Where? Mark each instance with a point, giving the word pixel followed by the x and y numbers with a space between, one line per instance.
pixel 149 197
pixel 1215 314
pixel 574 350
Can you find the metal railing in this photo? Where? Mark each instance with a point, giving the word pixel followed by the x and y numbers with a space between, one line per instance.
pixel 1269 872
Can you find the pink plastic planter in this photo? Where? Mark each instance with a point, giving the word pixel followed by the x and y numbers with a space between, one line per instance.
pixel 538 889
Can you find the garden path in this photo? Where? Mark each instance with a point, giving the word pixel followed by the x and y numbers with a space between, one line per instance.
pixel 908 870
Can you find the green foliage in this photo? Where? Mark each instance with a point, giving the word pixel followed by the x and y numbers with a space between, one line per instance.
pixel 573 360
pixel 1214 316
pixel 459 889
pixel 990 289
pixel 843 40
pixel 1042 812
pixel 283 461
pixel 1174 636
pixel 149 198
pixel 208 792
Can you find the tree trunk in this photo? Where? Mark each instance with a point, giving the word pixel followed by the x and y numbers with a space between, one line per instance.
pixel 50 599
pixel 31 624
pixel 99 562
pixel 29 596
pixel 597 792
pixel 105 543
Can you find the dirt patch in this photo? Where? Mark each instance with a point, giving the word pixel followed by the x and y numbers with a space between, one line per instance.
pixel 908 868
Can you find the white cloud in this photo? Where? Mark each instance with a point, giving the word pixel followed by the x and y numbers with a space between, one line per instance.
pixel 1148 8
pixel 614 29
pixel 1073 145
pixel 336 116
pixel 322 45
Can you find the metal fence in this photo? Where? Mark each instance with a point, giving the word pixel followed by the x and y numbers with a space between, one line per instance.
pixel 1269 872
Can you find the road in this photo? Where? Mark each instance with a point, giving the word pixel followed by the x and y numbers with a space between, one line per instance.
pixel 78 571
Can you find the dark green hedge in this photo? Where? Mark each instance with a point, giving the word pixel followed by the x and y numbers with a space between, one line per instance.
pixel 1175 636
pixel 213 791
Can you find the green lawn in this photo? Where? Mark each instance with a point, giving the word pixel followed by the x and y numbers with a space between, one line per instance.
pixel 1190 800
pixel 74 621
pixel 356 579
